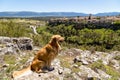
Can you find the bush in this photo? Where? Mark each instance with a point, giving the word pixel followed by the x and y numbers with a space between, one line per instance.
pixel 97 65
pixel 105 39
pixel 12 29
pixel 109 70
pixel 10 59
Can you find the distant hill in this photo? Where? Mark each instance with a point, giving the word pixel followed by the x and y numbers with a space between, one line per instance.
pixel 43 14
pixel 108 14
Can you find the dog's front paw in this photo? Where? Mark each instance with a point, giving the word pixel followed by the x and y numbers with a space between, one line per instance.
pixel 50 68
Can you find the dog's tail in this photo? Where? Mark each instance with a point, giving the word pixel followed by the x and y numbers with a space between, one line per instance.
pixel 21 73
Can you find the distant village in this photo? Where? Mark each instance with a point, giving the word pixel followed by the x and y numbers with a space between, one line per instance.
pixel 80 22
pixel 89 18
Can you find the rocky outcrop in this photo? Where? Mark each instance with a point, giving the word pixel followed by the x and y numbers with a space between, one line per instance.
pixel 15 45
pixel 71 64
pixel 86 57
pixel 78 67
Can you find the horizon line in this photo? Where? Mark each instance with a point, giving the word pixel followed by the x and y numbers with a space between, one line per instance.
pixel 61 12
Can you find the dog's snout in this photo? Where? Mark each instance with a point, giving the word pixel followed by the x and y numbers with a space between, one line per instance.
pixel 63 38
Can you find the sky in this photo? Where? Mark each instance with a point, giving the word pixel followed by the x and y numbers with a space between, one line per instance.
pixel 83 6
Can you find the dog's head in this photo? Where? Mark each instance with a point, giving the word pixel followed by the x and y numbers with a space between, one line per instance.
pixel 57 38
pixel 55 41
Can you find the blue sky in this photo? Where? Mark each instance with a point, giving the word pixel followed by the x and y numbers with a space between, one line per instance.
pixel 85 6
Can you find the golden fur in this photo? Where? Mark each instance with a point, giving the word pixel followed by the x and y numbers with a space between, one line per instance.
pixel 44 56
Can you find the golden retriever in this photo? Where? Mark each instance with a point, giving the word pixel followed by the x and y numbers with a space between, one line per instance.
pixel 44 57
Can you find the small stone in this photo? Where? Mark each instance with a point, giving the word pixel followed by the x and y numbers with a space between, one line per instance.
pixel 39 75
pixel 76 59
pixel 75 65
pixel 60 71
pixel 103 75
pixel 84 62
pixel 5 65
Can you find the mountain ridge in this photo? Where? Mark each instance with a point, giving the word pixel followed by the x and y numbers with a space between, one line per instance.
pixel 44 14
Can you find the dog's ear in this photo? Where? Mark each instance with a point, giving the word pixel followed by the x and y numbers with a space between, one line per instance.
pixel 54 39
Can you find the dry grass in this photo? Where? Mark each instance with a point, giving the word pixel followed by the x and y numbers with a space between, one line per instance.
pixel 14 62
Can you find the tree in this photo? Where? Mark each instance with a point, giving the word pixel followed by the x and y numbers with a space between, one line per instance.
pixel 90 16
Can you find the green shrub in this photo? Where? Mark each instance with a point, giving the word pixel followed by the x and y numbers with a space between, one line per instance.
pixel 10 59
pixel 69 77
pixel 12 29
pixel 75 69
pixel 98 64
pixel 65 64
pixel 111 71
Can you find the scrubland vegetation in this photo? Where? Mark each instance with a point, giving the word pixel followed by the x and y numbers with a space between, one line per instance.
pixel 100 36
